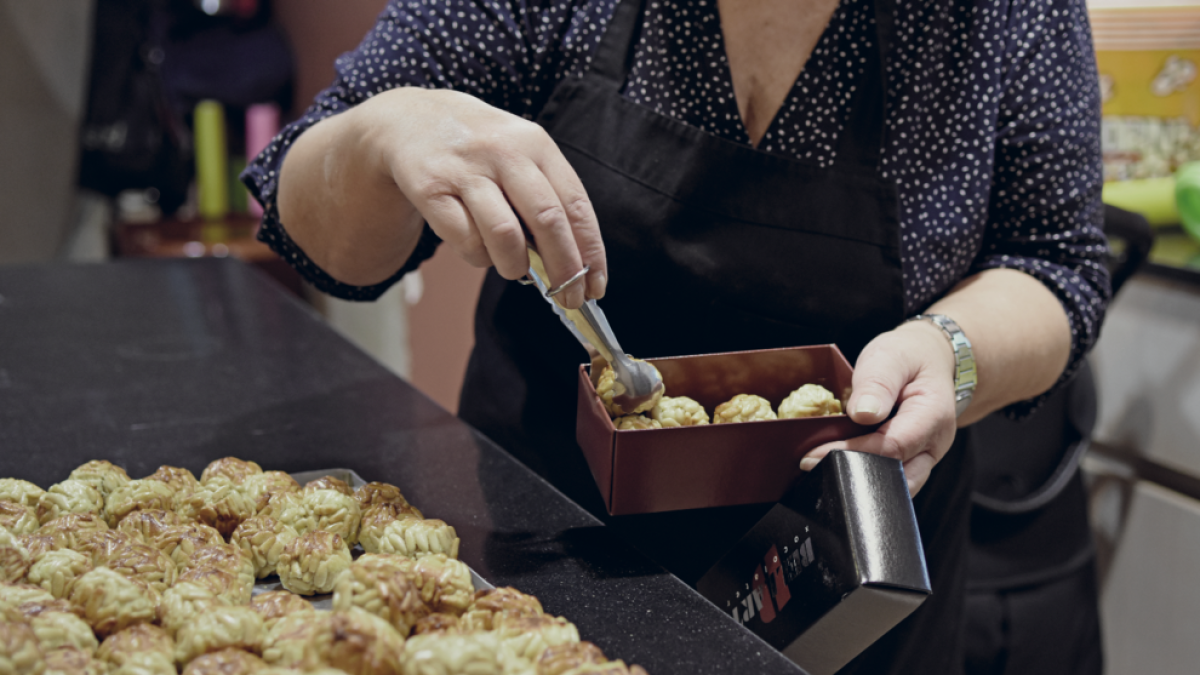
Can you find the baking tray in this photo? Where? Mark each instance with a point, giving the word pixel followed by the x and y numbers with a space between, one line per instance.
pixel 325 600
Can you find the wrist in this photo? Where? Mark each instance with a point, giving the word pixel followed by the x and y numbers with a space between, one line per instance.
pixel 964 373
pixel 363 163
pixel 933 341
pixel 364 142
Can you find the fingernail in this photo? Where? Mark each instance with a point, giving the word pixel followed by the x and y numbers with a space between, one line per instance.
pixel 867 405
pixel 809 463
pixel 912 487
pixel 601 284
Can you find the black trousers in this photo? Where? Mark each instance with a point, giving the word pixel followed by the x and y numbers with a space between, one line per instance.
pixel 1032 599
pixel 1052 628
pixel 1032 602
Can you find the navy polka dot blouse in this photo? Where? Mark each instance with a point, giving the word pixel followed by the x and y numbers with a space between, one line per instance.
pixel 992 118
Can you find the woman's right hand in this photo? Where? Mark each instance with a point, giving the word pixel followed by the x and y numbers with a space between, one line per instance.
pixel 474 172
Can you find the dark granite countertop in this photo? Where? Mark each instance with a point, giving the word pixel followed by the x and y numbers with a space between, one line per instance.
pixel 181 362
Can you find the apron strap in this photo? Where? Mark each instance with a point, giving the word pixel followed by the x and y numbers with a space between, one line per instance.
pixel 612 60
pixel 861 140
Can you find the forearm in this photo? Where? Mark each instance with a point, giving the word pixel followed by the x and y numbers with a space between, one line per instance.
pixel 341 206
pixel 1019 333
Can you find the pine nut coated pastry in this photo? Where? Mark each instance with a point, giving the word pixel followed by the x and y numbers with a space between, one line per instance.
pixel 811 400
pixel 743 408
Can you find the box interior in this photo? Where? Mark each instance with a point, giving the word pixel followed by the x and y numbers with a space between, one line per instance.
pixel 714 465
pixel 773 374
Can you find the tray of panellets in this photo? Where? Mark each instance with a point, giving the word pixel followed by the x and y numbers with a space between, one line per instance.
pixel 248 571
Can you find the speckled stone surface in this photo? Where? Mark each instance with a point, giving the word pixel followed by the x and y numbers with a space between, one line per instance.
pixel 181 362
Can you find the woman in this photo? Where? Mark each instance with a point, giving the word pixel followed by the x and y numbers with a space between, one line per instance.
pixel 735 175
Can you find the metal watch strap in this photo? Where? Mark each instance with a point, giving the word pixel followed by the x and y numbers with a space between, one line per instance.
pixel 965 375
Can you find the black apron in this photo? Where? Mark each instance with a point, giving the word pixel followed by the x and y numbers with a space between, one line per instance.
pixel 714 246
pixel 1032 598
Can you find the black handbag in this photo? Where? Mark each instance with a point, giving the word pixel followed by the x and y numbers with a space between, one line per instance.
pixel 131 138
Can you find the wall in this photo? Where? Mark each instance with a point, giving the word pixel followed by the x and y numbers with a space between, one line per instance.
pixel 430 341
pixel 319 31
pixel 44 49
pixel 442 326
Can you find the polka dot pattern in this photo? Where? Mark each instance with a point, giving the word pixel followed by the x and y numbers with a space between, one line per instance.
pixel 680 70
pixel 992 122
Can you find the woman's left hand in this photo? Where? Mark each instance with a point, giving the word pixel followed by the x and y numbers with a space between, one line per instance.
pixel 910 368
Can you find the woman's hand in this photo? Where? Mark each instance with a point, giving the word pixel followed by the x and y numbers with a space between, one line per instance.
pixel 357 187
pixel 911 369
pixel 1021 340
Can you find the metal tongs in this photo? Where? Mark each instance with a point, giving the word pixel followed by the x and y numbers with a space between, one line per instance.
pixel 641 382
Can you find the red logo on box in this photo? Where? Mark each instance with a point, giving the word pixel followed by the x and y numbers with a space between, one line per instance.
pixel 769 592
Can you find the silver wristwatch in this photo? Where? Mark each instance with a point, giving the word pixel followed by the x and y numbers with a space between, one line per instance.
pixel 965 375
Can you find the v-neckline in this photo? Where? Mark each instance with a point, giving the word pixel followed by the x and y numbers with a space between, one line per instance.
pixel 792 102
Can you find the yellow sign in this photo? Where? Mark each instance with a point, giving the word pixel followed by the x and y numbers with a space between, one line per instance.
pixel 1160 83
pixel 1149 66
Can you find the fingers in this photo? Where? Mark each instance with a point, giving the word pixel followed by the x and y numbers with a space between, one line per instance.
pixel 918 436
pixel 534 198
pixel 485 179
pixel 917 470
pixel 451 220
pixel 478 216
pixel 581 217
pixel 879 377
pixel 911 368
pixel 919 426
pixel 497 227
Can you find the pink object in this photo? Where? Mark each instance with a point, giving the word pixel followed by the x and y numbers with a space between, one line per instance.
pixel 245 9
pixel 262 123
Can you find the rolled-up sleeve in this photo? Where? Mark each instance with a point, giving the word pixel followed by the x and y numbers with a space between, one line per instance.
pixel 1045 213
pixel 481 47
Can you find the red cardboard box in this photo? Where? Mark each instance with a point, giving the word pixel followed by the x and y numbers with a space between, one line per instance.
pixel 715 464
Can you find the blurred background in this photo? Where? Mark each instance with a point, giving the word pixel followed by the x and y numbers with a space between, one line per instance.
pixel 125 123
